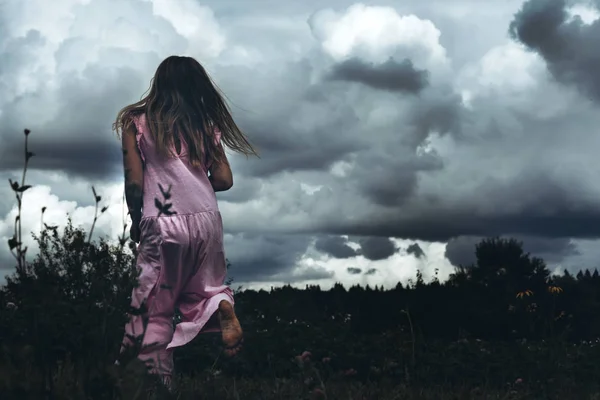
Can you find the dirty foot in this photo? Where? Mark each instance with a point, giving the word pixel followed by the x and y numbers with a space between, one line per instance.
pixel 232 333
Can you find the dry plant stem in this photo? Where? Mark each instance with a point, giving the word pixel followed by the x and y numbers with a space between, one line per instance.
pixel 412 335
pixel 22 184
pixel 19 190
pixel 17 243
pixel 97 200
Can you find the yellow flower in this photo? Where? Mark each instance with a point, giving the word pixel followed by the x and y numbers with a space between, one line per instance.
pixel 554 289
pixel 524 293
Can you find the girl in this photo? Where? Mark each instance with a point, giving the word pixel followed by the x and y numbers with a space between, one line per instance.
pixel 174 163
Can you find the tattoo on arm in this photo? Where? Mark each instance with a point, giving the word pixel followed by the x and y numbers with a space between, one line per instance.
pixel 134 197
pixel 133 181
pixel 133 194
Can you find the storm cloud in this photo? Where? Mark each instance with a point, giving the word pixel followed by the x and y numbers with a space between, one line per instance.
pixel 391 75
pixel 335 246
pixel 416 130
pixel 568 45
pixel 415 250
pixel 267 257
pixel 376 248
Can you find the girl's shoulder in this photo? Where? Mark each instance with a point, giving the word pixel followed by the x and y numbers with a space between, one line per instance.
pixel 139 120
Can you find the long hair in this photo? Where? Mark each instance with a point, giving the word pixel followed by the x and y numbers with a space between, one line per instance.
pixel 183 99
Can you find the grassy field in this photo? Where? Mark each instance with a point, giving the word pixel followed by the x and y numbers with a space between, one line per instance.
pixel 368 369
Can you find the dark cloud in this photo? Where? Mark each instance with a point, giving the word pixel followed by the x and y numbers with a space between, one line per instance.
pixel 296 125
pixel 311 126
pixel 242 191
pixel 370 271
pixel 78 140
pixel 416 250
pixel 353 270
pixel 390 75
pixel 569 46
pixel 70 115
pixel 97 158
pixel 440 110
pixel 391 181
pixel 567 212
pixel 335 246
pixel 279 145
pixel 461 250
pixel 269 257
pixel 377 248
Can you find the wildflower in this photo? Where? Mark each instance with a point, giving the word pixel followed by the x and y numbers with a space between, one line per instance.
pixel 11 306
pixel 524 293
pixel 350 372
pixel 306 356
pixel 303 358
pixel 326 360
pixel 518 381
pixel 554 289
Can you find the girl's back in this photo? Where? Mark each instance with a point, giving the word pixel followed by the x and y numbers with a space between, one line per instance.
pixel 188 185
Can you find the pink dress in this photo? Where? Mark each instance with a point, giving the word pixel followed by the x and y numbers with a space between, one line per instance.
pixel 181 256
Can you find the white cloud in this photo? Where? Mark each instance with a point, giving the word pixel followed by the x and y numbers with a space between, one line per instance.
pixel 196 23
pixel 586 11
pixel 512 77
pixel 74 34
pixel 109 224
pixel 401 267
pixel 507 71
pixel 377 33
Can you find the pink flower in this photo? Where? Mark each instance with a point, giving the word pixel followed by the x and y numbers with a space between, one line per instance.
pixel 518 381
pixel 326 360
pixel 303 358
pixel 318 394
pixel 350 372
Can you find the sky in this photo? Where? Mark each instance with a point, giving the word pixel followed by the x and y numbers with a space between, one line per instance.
pixel 393 135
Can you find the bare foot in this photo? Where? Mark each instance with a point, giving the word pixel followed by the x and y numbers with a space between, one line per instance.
pixel 230 328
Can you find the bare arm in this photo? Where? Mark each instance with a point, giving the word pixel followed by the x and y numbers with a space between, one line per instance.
pixel 134 174
pixel 221 177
